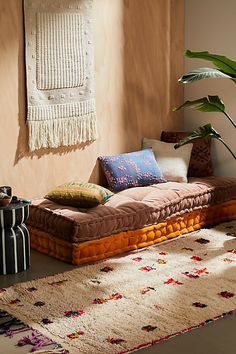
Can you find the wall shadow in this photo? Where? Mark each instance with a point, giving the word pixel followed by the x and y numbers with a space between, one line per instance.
pixel 97 175
pixel 152 62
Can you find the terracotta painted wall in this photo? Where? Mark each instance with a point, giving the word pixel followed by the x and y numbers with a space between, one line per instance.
pixel 210 25
pixel 138 58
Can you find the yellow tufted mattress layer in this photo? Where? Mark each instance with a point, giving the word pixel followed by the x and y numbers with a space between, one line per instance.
pixel 79 253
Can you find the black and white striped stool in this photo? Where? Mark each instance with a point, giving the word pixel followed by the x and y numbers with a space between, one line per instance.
pixel 14 238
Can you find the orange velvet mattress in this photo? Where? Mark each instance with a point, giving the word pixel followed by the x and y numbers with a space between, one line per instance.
pixel 131 219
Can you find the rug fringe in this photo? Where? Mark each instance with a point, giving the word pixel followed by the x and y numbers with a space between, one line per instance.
pixel 12 326
pixel 37 340
pixel 62 132
pixel 52 351
pixel 5 327
pixel 3 314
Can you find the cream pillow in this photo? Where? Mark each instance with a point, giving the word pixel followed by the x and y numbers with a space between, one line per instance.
pixel 173 162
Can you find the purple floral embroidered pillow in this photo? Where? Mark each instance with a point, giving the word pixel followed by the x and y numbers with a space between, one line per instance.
pixel 132 169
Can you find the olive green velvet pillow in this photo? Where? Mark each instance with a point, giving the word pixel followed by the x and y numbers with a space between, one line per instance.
pixel 79 194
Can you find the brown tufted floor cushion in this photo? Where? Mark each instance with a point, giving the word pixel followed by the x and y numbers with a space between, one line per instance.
pixel 133 218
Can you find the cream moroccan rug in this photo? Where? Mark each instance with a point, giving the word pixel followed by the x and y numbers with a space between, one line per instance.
pixel 123 304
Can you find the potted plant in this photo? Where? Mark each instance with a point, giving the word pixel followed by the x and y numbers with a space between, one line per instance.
pixel 224 68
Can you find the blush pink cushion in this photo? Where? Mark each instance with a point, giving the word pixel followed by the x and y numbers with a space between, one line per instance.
pixel 130 209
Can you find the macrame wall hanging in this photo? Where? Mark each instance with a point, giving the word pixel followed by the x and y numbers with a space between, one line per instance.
pixel 60 74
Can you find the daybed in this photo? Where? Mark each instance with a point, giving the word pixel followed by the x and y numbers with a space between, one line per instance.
pixel 131 219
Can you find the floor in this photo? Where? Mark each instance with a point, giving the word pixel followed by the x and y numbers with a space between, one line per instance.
pixel 215 338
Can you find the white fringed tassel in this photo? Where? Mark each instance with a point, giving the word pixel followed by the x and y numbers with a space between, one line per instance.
pixel 62 131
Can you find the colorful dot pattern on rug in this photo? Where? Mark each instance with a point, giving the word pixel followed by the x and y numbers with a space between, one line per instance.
pixel 125 303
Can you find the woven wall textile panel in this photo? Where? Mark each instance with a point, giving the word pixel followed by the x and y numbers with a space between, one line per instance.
pixel 59 73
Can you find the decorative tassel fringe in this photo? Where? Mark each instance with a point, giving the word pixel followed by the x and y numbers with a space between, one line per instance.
pixel 37 340
pixel 3 314
pixel 5 327
pixel 12 326
pixel 52 351
pixel 11 332
pixel 62 132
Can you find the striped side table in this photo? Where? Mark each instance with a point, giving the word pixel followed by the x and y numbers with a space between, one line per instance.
pixel 14 238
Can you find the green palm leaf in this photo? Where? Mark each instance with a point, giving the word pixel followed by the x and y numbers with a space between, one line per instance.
pixel 207 131
pixel 203 73
pixel 205 104
pixel 226 65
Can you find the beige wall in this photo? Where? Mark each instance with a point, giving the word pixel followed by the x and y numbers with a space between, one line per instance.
pixel 138 58
pixel 210 25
